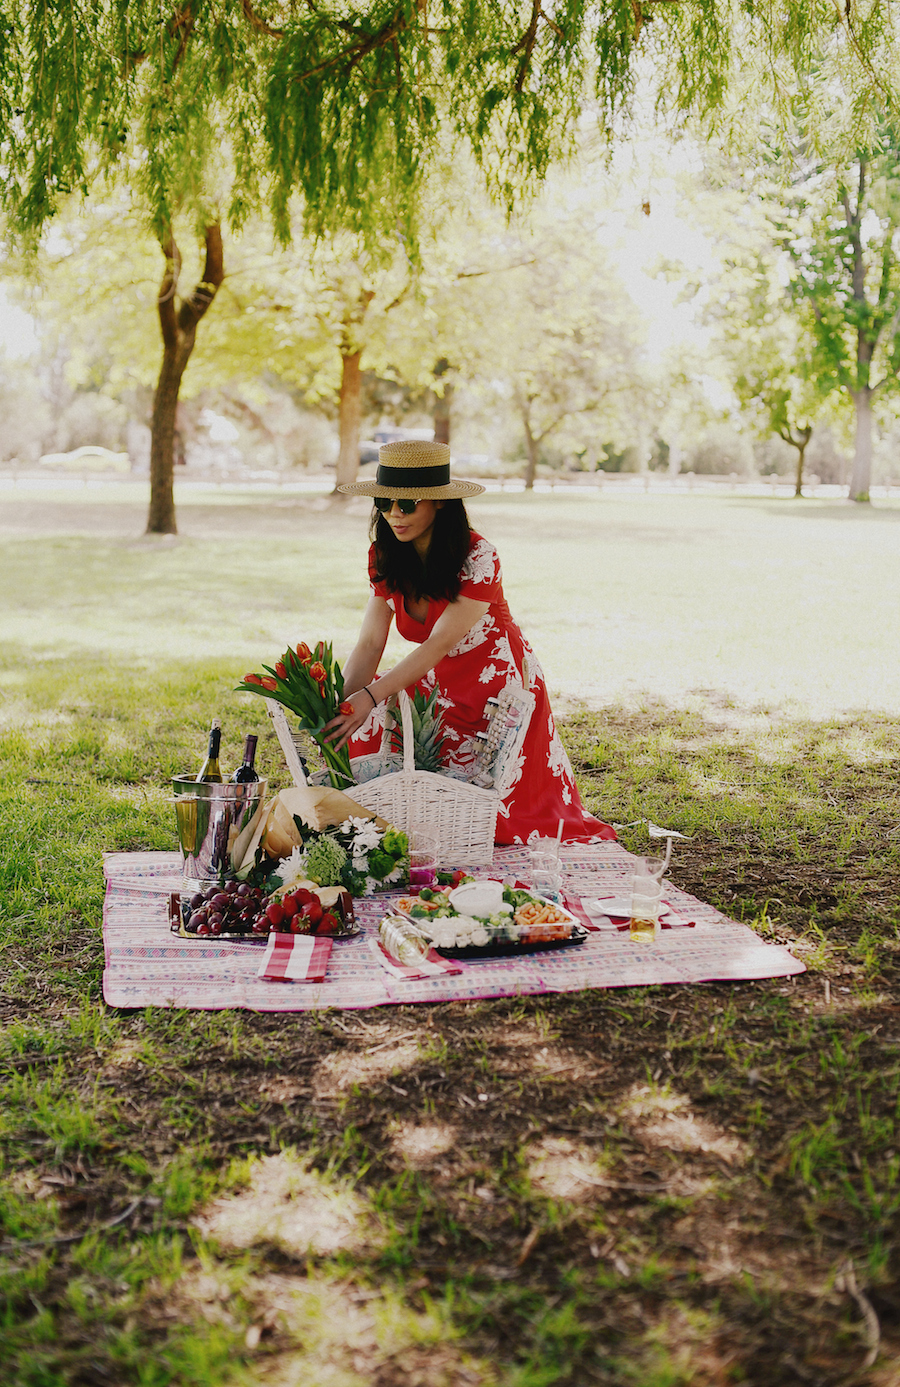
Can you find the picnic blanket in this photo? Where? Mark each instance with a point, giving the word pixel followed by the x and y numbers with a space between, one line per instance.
pixel 147 965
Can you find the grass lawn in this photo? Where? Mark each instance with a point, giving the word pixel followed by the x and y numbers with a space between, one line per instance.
pixel 665 1186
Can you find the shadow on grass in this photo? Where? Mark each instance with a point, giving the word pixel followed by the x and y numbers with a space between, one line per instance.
pixel 670 1185
pixel 788 818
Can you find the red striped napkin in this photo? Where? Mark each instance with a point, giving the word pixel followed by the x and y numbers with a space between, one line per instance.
pixel 295 958
pixel 432 965
pixel 574 907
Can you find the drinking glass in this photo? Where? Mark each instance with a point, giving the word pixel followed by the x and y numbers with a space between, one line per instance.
pixel 646 890
pixel 423 855
pixel 546 868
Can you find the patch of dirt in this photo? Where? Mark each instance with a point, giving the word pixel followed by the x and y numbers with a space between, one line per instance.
pixel 288 1207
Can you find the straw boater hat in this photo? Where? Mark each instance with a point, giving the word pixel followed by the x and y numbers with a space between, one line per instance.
pixel 420 471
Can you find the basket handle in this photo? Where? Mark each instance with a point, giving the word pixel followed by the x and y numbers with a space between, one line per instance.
pixel 286 741
pixel 384 749
pixel 409 749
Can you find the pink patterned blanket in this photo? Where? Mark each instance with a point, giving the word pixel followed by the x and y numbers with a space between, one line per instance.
pixel 146 965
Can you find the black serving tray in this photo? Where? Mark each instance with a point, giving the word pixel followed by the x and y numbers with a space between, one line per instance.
pixel 503 947
pixel 176 925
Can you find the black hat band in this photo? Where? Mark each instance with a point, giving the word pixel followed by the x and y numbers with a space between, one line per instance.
pixel 413 476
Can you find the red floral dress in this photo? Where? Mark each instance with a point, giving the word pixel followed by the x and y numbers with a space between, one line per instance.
pixel 490 656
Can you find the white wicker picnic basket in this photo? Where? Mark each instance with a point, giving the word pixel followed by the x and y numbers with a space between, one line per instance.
pixel 464 816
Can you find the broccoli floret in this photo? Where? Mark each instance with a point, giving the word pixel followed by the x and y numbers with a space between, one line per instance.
pixel 381 864
pixel 324 861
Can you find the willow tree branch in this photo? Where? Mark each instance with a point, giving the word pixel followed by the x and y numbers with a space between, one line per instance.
pixel 183 20
pixel 495 270
pixel 526 45
pixel 361 48
pixel 253 18
pixel 846 20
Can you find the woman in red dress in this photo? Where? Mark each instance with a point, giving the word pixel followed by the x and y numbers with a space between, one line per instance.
pixel 441 582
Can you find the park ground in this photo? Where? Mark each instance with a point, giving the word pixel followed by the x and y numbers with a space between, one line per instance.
pixel 662 1186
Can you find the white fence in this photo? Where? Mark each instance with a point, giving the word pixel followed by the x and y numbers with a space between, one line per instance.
pixel 655 483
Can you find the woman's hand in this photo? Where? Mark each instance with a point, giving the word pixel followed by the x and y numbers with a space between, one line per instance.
pixel 354 712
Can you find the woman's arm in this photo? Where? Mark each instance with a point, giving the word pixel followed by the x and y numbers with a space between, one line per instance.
pixel 362 662
pixel 454 622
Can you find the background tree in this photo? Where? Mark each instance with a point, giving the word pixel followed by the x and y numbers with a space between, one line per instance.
pixel 308 315
pixel 683 410
pixel 763 345
pixel 842 232
pixel 803 285
pixel 214 110
pixel 352 288
pixel 178 323
pixel 528 315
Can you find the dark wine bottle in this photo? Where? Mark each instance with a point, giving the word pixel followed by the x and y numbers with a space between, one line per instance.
pixel 245 773
pixel 209 771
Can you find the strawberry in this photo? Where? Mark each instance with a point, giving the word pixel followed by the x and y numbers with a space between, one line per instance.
pixel 312 912
pixel 329 924
pixel 275 912
pixel 290 906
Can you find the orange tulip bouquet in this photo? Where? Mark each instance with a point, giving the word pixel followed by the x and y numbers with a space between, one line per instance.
pixel 309 683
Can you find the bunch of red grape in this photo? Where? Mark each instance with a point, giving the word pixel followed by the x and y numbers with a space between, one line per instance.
pixel 234 908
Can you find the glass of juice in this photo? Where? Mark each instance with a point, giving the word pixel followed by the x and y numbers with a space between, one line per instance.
pixel 423 856
pixel 646 889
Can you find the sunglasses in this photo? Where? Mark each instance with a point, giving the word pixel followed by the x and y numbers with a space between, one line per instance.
pixel 384 503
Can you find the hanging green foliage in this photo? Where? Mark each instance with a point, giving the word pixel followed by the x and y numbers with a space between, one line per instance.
pixel 344 101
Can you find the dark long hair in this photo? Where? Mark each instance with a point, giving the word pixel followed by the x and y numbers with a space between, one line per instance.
pixel 399 566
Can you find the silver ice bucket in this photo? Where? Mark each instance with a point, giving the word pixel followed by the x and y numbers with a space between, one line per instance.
pixel 215 826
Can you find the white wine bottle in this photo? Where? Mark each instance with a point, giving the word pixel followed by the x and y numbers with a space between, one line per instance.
pixel 209 772
pixel 246 773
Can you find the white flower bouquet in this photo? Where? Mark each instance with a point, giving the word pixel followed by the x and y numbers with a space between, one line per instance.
pixel 356 855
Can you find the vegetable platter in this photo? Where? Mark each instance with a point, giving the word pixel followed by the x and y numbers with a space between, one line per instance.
pixel 484 919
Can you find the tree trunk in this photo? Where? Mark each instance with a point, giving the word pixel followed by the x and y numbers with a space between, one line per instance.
pixel 350 414
pixel 799 439
pixel 798 485
pixel 350 399
pixel 161 517
pixel 442 404
pixel 676 453
pixel 179 332
pixel 861 476
pixel 532 446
